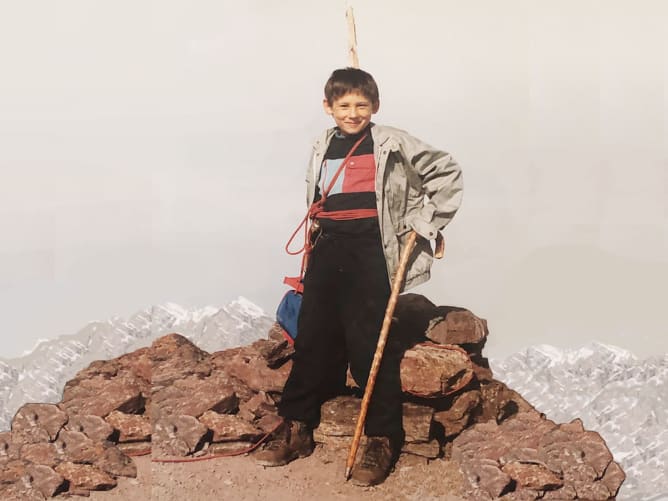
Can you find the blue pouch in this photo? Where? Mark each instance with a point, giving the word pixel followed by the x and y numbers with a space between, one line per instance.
pixel 287 314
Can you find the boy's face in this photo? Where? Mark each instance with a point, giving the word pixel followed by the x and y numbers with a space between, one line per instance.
pixel 351 112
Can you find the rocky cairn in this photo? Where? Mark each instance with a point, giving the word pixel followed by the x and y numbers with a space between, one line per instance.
pixel 181 403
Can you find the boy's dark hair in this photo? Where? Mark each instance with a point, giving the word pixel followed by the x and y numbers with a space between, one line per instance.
pixel 346 80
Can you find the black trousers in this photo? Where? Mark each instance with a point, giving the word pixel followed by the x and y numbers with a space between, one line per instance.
pixel 346 290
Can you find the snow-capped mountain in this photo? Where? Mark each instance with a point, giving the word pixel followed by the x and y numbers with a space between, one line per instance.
pixel 40 375
pixel 623 398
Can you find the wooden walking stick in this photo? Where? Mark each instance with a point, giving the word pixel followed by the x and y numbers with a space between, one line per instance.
pixel 378 356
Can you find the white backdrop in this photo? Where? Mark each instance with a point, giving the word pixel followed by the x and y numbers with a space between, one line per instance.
pixel 155 151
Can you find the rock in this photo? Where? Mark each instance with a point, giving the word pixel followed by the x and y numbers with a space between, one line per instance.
pixel 259 405
pixel 565 492
pixel 98 396
pixel 45 480
pixel 85 477
pixel 430 370
pixel 192 396
pixel 275 352
pixel 43 453
pixel 134 448
pixel 459 413
pixel 268 422
pixel 459 327
pixel 94 427
pixel 613 478
pixel 338 418
pixel 485 475
pixel 532 475
pixel 498 402
pixel 248 366
pixel 177 435
pixel 233 448
pixel 78 448
pixel 538 455
pixel 229 427
pixel 12 471
pixel 19 492
pixel 137 363
pixel 430 450
pixel 131 427
pixel 8 449
pixel 417 422
pixel 116 463
pixel 174 357
pixel 37 423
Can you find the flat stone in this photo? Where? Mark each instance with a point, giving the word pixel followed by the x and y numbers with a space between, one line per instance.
pixel 8 449
pixel 42 453
pixel 249 367
pixel 430 450
pixel 193 396
pixel 613 478
pixel 417 422
pixel 134 448
pixel 99 396
pixel 174 357
pixel 459 327
pixel 94 427
pixel 45 479
pixel 78 448
pixel 268 422
pixel 275 352
pixel 229 427
pixel 430 370
pixel 37 423
pixel 19 492
pixel 565 492
pixel 259 405
pixel 177 435
pixel 131 427
pixel 12 471
pixel 532 475
pixel 85 477
pixel 455 418
pixel 116 463
pixel 231 448
pixel 338 417
pixel 593 491
pixel 498 402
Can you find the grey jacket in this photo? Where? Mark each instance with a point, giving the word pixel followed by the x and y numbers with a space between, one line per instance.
pixel 417 188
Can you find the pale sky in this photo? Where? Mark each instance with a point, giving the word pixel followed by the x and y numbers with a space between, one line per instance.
pixel 155 151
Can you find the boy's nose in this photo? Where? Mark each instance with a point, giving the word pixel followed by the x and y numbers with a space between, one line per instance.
pixel 353 112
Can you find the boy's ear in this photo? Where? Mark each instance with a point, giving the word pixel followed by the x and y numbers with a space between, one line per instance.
pixel 328 109
pixel 376 106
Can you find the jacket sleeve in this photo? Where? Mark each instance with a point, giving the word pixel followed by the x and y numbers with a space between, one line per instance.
pixel 441 181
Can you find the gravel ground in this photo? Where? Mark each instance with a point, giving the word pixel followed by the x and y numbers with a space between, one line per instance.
pixel 318 477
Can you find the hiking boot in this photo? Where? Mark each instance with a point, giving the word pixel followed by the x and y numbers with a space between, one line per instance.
pixel 377 462
pixel 292 440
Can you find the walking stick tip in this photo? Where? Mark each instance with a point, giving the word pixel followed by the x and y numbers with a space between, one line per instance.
pixel 348 470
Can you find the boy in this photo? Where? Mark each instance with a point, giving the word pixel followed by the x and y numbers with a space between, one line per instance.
pixel 363 222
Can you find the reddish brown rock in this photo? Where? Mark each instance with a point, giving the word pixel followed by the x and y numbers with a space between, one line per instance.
pixel 429 450
pixel 417 422
pixel 44 479
pixel 539 455
pixel 99 396
pixel 138 363
pixel 134 448
pixel 12 471
pixel 116 463
pixel 19 492
pixel 229 427
pixel 177 435
pixel 458 415
pixel 44 453
pixel 131 427
pixel 613 478
pixel 248 366
pixel 532 475
pixel 37 423
pixel 8 449
pixel 565 492
pixel 430 370
pixel 235 447
pixel 338 417
pixel 498 402
pixel 259 405
pixel 458 327
pixel 268 422
pixel 78 448
pixel 275 352
pixel 193 397
pixel 174 357
pixel 94 427
pixel 85 477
